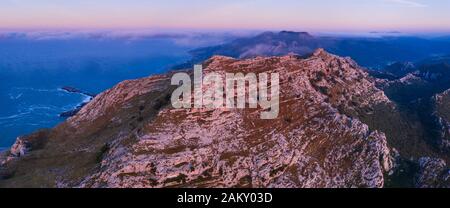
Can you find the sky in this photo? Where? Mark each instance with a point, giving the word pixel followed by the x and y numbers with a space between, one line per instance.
pixel 306 15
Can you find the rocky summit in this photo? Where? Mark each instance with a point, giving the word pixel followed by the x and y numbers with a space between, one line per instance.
pixel 130 136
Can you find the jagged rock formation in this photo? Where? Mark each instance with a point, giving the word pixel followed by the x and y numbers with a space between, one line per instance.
pixel 23 145
pixel 424 92
pixel 227 148
pixel 400 69
pixel 422 104
pixel 129 136
pixel 442 113
pixel 433 173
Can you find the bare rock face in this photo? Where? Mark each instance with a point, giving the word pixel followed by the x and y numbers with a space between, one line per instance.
pixel 20 147
pixel 309 145
pixel 129 136
pixel 442 113
pixel 23 145
pixel 433 173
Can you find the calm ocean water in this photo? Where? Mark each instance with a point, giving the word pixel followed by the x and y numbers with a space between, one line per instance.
pixel 33 71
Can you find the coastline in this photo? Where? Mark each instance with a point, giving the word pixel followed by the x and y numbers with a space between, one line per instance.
pixel 87 98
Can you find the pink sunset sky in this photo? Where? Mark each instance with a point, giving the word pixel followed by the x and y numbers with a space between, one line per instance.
pixel 311 15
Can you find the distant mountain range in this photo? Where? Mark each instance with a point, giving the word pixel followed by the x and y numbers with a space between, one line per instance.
pixel 373 52
pixel 429 76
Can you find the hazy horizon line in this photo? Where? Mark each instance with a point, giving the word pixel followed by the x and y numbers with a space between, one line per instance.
pixel 231 31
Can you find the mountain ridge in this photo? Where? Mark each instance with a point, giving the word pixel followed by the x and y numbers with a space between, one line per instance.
pixel 372 52
pixel 126 155
pixel 331 132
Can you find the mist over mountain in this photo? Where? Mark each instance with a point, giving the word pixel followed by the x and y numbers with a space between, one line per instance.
pixel 373 52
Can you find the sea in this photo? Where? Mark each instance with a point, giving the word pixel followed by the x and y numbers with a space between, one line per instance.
pixel 33 71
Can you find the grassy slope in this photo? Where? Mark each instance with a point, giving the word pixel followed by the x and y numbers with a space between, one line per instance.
pixel 71 155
